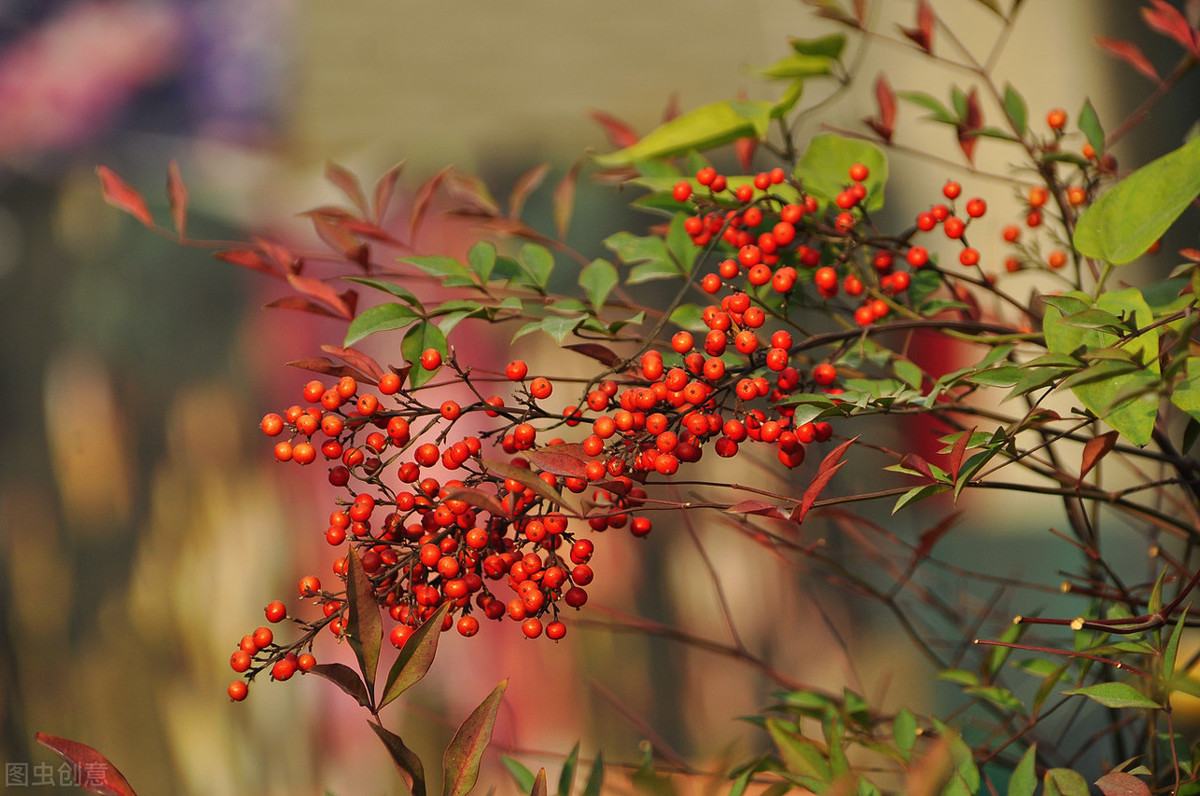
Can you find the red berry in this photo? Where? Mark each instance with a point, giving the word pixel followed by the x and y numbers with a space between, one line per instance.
pixel 431 359
pixel 824 374
pixel 917 256
pixel 976 207
pixel 859 172
pixel 682 191
pixel 951 190
pixel 276 611
pixel 238 690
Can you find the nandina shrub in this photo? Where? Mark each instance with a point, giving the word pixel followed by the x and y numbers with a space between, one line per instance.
pixel 796 327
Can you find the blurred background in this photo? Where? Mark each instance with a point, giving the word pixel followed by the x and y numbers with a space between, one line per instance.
pixel 143 524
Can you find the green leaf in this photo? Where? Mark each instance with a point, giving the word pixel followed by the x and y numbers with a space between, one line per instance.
pixel 1024 776
pixel 797 65
pixel 420 337
pixel 965 778
pixel 1000 697
pixel 559 326
pixel 566 779
pixel 1113 399
pixel 702 128
pixel 690 317
pixel 800 755
pixel 830 46
pixel 1065 782
pixel 1114 695
pixel 597 279
pixel 415 658
pixel 920 493
pixel 1172 649
pixel 1186 394
pixel 405 759
pixel 1089 125
pixel 520 773
pixel 938 111
pixel 381 318
pixel 538 262
pixel 960 676
pixel 826 162
pixel 632 249
pixel 460 764
pixel 909 372
pixel 482 259
pixel 388 287
pixel 595 783
pixel 904 731
pixel 1124 222
pixel 679 244
pixel 364 628
pixel 450 271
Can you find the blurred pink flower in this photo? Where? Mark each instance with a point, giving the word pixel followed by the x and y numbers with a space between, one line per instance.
pixel 63 81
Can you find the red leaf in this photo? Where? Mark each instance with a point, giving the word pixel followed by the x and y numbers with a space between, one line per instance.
pixel 348 184
pixel 922 34
pixel 460 763
pixel 1167 20
pixel 248 258
pixel 825 471
pixel 120 195
pixel 369 230
pixel 338 238
pixel 524 185
pixel 474 191
pixel 1094 450
pixel 1190 254
pixel 1120 783
pixel 564 200
pixel 177 197
pixel 744 149
pixel 619 134
pixel 884 122
pixel 755 506
pixel 326 367
pixel 385 188
pixel 930 537
pixel 601 354
pixel 1130 53
pixel 288 262
pixel 958 451
pixel 421 201
pixel 315 288
pixel 91 770
pixel 302 304
pixel 356 358
pixel 539 783
pixel 860 12
pixel 555 459
pixel 914 462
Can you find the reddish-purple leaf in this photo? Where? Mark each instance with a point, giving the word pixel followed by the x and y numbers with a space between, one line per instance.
pixel 1167 20
pixel 1094 450
pixel 479 499
pixel 288 263
pixel 524 185
pixel 755 506
pixel 602 354
pixel 930 537
pixel 860 12
pixel 368 230
pixel 405 759
pixel 356 358
pixel 525 478
pixel 884 121
pixel 348 184
pixel 922 34
pixel 91 770
pixel 958 451
pixel 415 658
pixel 968 126
pixel 177 197
pixel 460 764
pixel 120 195
pixel 249 258
pixel 1190 254
pixel 671 111
pixel 829 9
pixel 303 305
pixel 316 289
pixel 1120 783
pixel 326 366
pixel 539 784
pixel 385 188
pixel 555 459
pixel 344 678
pixel 1130 53
pixel 564 200
pixel 421 201
pixel 914 462
pixel 364 628
pixel 619 134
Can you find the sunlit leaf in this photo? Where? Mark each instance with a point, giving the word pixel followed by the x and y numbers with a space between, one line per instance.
pixel 1114 695
pixel 824 166
pixel 122 196
pixel 460 764
pixel 702 128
